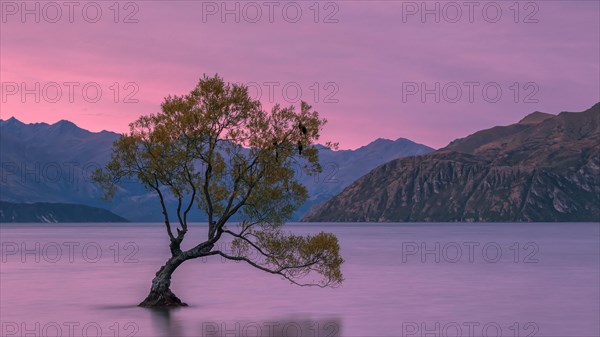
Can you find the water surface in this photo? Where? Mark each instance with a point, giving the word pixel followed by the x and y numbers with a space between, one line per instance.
pixel 401 280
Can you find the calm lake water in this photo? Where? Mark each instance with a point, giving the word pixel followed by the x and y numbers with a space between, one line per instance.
pixel 401 280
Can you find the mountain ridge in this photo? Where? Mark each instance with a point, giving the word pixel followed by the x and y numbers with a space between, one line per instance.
pixel 46 212
pixel 543 171
pixel 74 153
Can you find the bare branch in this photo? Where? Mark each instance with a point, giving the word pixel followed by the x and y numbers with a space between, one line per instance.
pixel 193 197
pixel 276 272
pixel 156 187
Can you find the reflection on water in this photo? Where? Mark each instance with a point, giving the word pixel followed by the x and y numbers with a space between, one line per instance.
pixel 299 326
pixel 163 321
pixel 401 280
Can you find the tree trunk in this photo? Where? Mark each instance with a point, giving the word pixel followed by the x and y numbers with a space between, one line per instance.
pixel 160 293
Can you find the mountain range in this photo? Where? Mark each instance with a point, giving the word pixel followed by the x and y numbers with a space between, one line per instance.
pixel 543 168
pixel 54 212
pixel 53 163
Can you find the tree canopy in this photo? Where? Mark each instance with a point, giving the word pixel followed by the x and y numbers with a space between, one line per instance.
pixel 217 151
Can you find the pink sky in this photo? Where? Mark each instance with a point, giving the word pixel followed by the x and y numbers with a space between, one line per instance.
pixel 373 51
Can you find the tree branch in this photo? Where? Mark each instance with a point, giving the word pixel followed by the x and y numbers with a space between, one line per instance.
pixel 276 272
pixel 156 187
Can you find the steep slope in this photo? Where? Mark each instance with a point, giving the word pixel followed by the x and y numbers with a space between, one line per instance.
pixel 547 170
pixel 341 168
pixel 54 212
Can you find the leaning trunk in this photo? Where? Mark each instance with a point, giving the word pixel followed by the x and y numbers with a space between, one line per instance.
pixel 160 293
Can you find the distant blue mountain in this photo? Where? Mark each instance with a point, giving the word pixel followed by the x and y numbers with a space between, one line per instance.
pixel 54 212
pixel 53 163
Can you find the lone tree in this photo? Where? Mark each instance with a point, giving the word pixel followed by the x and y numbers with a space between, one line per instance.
pixel 217 149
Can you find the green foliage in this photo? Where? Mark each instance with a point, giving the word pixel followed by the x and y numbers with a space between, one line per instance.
pixel 217 149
